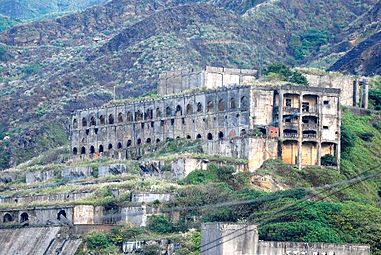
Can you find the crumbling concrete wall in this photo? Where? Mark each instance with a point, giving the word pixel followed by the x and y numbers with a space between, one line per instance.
pixel 114 169
pixel 39 176
pixel 39 240
pixel 211 77
pixel 228 239
pixel 76 173
pixel 65 197
pixel 146 197
pixel 294 248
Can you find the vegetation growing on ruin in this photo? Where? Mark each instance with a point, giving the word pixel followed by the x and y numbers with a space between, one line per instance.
pixel 284 73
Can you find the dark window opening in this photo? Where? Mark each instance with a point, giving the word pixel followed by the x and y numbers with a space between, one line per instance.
pixel 158 113
pixel 75 151
pixel 111 119
pixel 24 217
pixel 179 110
pixel 183 121
pixel 101 148
pixel 288 102
pixel 189 137
pixel 75 123
pixel 87 131
pixel 92 121
pixel 325 127
pixel 168 111
pixel 199 107
pixel 162 122
pixel 61 214
pixel 7 218
pixel 129 142
pixel 138 115
pixel 243 131
pixel 84 122
pixel 120 117
pixel 172 122
pixel 305 106
pixel 110 146
pixel 120 146
pixel 142 125
pixel 152 124
pixel 198 137
pixel 189 109
pixel 102 120
pixel 326 102
pixel 92 150
pixel 221 105
pixel 96 130
pixel 139 141
pixel 221 135
pixel 83 150
pixel 210 136
pixel 148 141
pixel 157 140
pixel 210 106
pixel 149 114
pixel 244 102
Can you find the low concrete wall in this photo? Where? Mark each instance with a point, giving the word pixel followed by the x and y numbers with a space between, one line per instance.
pixel 114 169
pixel 294 248
pixel 39 176
pixel 66 197
pixel 145 197
pixel 77 173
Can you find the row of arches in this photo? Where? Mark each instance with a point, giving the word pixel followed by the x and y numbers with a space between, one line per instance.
pixel 23 218
pixel 169 112
pixel 139 141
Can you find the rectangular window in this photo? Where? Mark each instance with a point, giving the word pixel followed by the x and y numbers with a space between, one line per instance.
pixel 326 102
pixel 305 106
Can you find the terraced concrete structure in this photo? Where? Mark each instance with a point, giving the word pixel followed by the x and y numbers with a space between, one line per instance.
pixel 305 121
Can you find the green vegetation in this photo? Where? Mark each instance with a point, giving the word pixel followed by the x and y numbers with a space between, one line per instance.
pixel 4 56
pixel 31 69
pixel 6 23
pixel 375 93
pixel 282 72
pixel 302 46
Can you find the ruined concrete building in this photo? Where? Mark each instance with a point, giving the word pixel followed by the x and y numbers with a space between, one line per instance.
pixel 231 113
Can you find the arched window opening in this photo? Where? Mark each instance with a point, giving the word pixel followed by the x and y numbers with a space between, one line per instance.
pixel 148 141
pixel 84 122
pixel 168 111
pixel 120 117
pixel 232 104
pixel 210 136
pixel 244 102
pixel 243 132
pixel 221 105
pixel 83 150
pixel 101 149
pixel 92 121
pixel 129 142
pixel 120 146
pixel 149 114
pixel 210 106
pixel 199 107
pixel 189 137
pixel 138 115
pixel 111 119
pixel 130 116
pixel 24 217
pixel 92 150
pixel 198 137
pixel 158 113
pixel 102 120
pixel 189 109
pixel 75 123
pixel 221 135
pixel 75 151
pixel 110 146
pixel 61 215
pixel 7 218
pixel 139 141
pixel 179 110
pixel 157 140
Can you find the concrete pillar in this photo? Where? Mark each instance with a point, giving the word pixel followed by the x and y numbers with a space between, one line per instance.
pixel 319 153
pixel 280 114
pixel 338 147
pixel 300 132
pixel 366 94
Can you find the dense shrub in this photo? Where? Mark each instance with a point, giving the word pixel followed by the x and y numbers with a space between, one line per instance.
pixel 302 46
pixel 328 160
pixel 160 224
pixel 153 249
pixel 284 73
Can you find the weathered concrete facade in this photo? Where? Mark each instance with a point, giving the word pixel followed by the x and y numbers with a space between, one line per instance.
pixel 239 121
pixel 242 239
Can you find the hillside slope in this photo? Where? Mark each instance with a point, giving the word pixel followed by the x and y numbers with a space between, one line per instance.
pixel 53 67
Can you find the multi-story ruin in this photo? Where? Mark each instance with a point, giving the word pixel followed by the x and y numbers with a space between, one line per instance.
pixel 230 112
